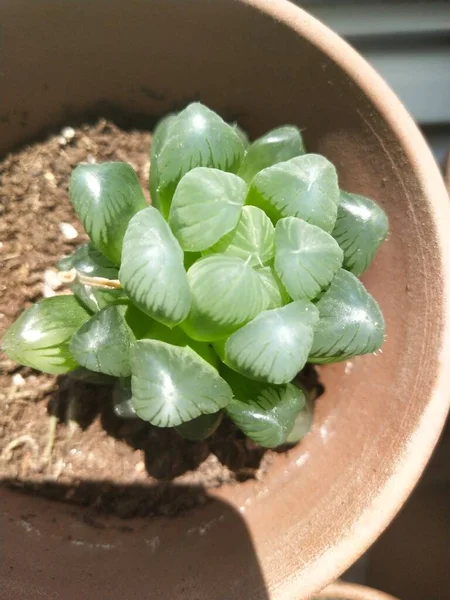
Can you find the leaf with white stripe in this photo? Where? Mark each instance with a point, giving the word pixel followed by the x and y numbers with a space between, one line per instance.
pixel 304 187
pixel 252 239
pixel 40 337
pixel 152 271
pixel 197 137
pixel 103 343
pixel 265 413
pixel 351 322
pixel 274 147
pixel 226 293
pixel 172 385
pixel 105 197
pixel 306 258
pixel 206 205
pixel 275 346
pixel 361 228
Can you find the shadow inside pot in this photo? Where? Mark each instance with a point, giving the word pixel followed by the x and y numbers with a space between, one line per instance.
pixel 60 550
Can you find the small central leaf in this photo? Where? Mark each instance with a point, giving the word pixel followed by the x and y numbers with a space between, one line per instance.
pixel 152 271
pixel 105 197
pixel 252 239
pixel 40 337
pixel 305 187
pixel 360 229
pixel 265 413
pixel 160 134
pixel 274 147
pixel 172 385
pixel 206 205
pixel 351 322
pixel 103 343
pixel 275 346
pixel 306 258
pixel 197 137
pixel 226 293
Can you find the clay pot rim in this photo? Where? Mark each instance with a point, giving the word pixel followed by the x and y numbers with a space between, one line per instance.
pixel 341 590
pixel 395 490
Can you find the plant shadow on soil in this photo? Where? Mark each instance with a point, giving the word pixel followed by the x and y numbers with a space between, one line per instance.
pixel 135 463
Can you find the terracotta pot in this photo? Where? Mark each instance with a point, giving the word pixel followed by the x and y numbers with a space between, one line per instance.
pixel 265 63
pixel 351 591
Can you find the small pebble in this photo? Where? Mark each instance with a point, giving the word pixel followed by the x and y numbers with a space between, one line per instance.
pixel 49 176
pixel 68 231
pixel 62 140
pixel 51 283
pixel 68 133
pixel 18 380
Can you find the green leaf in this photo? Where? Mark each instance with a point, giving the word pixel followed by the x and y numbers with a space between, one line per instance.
pixel 160 135
pixel 40 336
pixel 103 343
pixel 350 322
pixel 226 293
pixel 360 229
pixel 122 403
pixel 206 205
pixel 200 428
pixel 274 147
pixel 306 258
pixel 172 384
pixel 304 187
pixel 264 412
pixel 152 271
pixel 105 197
pixel 253 238
pixel 302 424
pixel 197 137
pixel 275 290
pixel 275 346
pixel 87 260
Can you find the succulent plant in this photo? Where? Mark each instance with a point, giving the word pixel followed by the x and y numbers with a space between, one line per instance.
pixel 209 302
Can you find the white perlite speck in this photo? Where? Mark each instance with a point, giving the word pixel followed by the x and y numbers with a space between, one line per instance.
pixel 68 231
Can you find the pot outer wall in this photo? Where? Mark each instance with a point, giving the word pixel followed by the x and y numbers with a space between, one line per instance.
pixel 263 63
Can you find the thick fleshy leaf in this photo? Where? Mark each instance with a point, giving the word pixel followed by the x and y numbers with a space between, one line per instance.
pixel 40 336
pixel 206 205
pixel 252 239
pixel 87 260
pixel 265 413
pixel 172 384
pixel 226 293
pixel 160 135
pixel 122 404
pixel 103 343
pixel 306 258
pixel 361 228
pixel 302 424
pixel 274 147
pixel 152 271
pixel 304 187
pixel 197 137
pixel 105 197
pixel 276 291
pixel 200 428
pixel 275 346
pixel 350 323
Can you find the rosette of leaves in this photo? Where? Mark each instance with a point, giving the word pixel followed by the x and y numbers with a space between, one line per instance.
pixel 207 304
